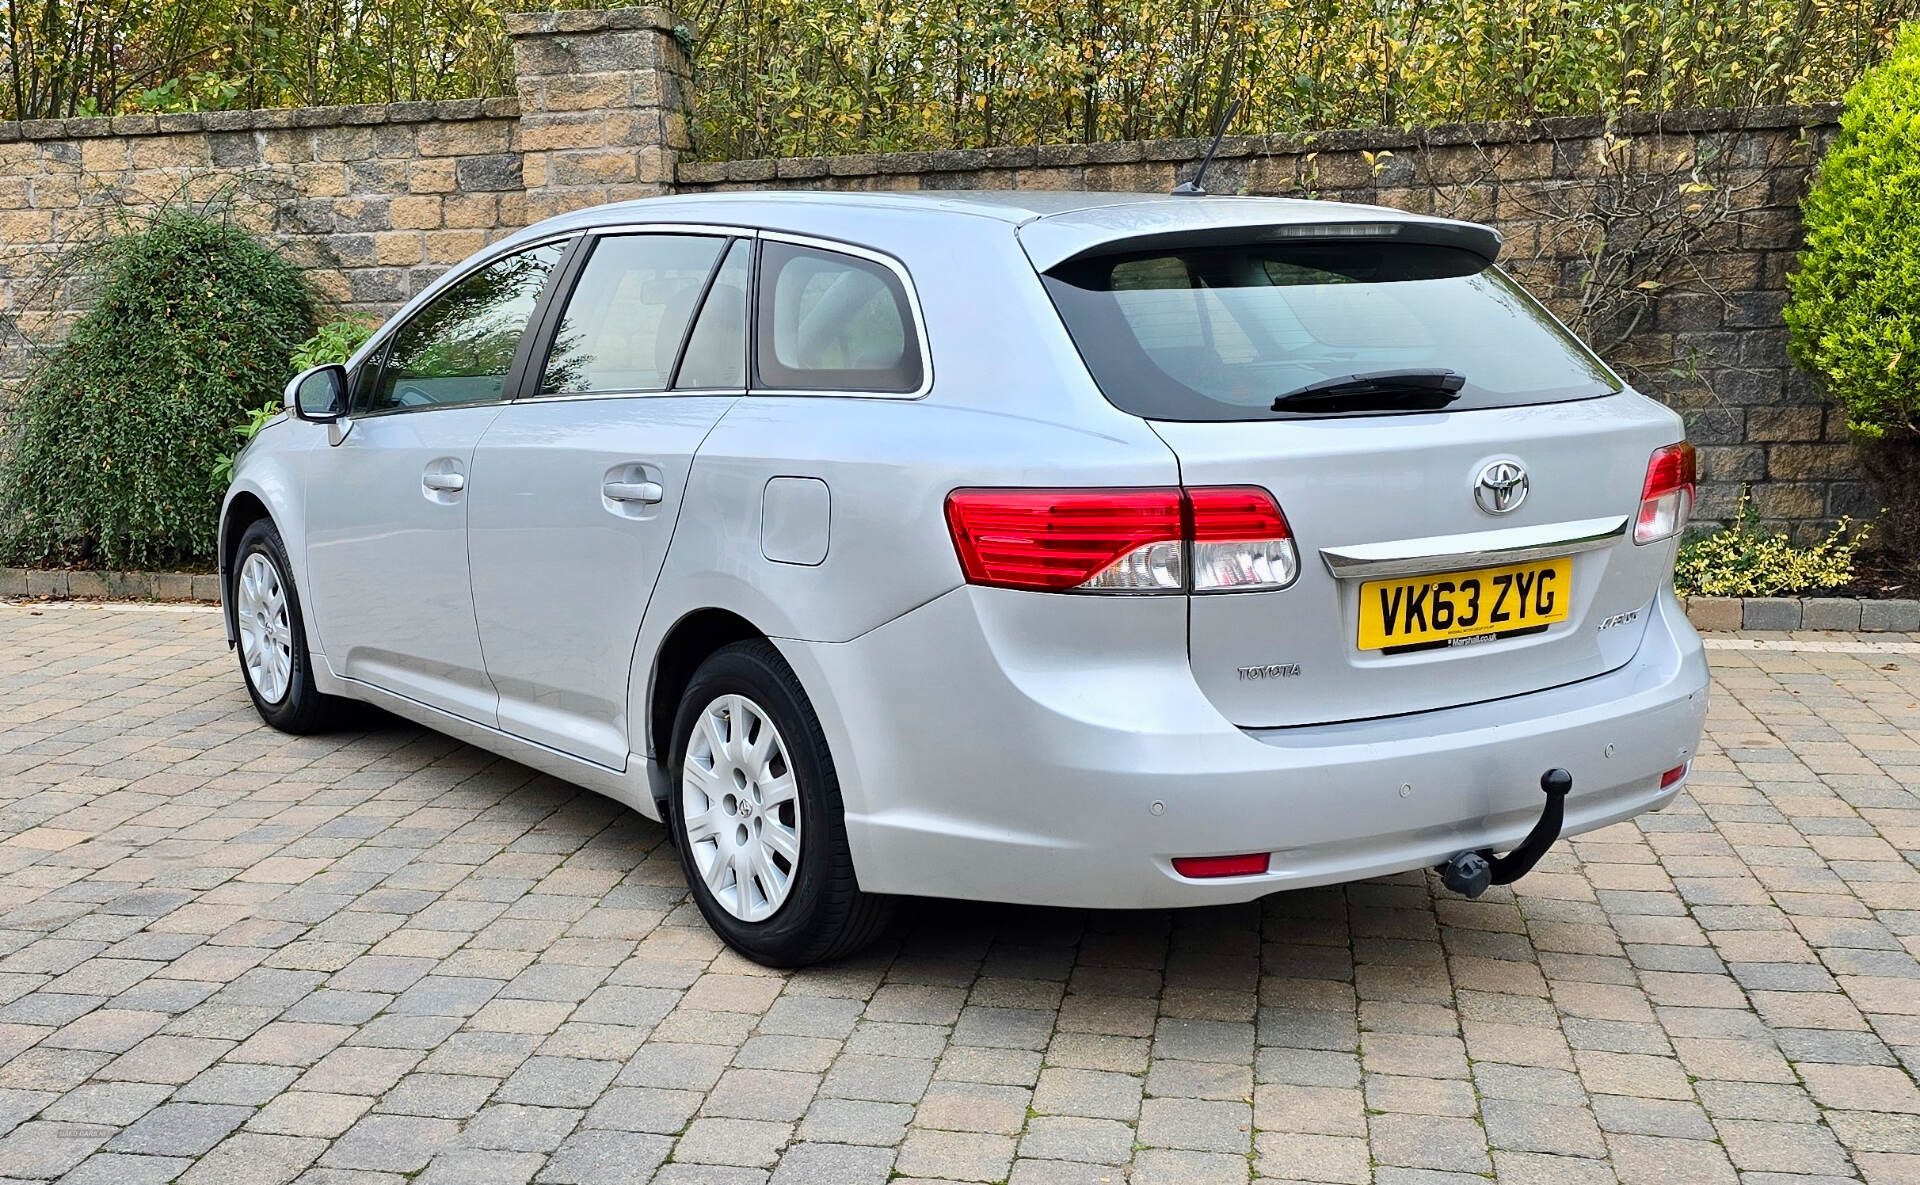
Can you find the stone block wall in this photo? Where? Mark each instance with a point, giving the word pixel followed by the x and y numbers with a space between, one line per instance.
pixel 377 200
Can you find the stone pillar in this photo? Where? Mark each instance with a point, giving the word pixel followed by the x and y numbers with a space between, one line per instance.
pixel 605 101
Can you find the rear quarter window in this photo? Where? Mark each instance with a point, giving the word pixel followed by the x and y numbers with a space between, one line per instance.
pixel 829 321
pixel 1219 332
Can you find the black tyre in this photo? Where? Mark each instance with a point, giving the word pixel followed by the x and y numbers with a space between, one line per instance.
pixel 755 811
pixel 274 659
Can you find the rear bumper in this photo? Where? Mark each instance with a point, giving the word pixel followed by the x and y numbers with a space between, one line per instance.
pixel 989 749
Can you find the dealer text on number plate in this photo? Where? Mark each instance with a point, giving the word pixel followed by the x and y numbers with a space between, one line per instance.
pixel 1447 605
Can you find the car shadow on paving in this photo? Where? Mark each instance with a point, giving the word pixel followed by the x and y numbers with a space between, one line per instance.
pixel 229 955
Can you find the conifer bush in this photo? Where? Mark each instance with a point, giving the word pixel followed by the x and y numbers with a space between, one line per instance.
pixel 1854 309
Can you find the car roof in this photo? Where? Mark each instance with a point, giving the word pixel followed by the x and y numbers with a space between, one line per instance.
pixel 1053 225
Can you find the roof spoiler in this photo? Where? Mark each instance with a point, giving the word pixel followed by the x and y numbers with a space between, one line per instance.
pixel 1472 237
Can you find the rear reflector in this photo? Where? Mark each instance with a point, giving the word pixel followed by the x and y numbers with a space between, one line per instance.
pixel 1204 867
pixel 1666 499
pixel 1674 775
pixel 1233 538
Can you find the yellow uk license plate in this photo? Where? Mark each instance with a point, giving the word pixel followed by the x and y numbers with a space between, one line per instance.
pixel 1442 606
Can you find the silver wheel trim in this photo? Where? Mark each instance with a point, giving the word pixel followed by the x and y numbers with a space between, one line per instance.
pixel 266 638
pixel 742 808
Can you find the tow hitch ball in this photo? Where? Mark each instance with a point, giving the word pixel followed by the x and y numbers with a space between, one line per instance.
pixel 1470 873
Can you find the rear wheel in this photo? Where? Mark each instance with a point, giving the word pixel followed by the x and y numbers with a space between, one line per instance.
pixel 274 659
pixel 757 816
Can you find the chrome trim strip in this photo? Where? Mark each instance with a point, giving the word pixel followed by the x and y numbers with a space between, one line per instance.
pixel 1479 549
pixel 675 393
pixel 670 228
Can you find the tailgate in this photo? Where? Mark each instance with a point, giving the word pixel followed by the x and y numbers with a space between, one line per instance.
pixel 1386 515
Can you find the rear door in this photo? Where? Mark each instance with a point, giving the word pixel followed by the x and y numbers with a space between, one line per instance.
pixel 577 484
pixel 1455 545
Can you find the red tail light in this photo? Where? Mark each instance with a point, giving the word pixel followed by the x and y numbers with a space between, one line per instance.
pixel 1233 538
pixel 1666 500
pixel 1674 775
pixel 1058 539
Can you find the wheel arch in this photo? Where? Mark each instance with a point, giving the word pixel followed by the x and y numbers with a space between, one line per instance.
pixel 243 509
pixel 686 644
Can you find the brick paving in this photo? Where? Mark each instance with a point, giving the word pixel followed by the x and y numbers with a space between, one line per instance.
pixel 232 956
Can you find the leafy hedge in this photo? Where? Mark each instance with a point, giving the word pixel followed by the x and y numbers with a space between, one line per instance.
pixel 116 437
pixel 807 77
pixel 819 77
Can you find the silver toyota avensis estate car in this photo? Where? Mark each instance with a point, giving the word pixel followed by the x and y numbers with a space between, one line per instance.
pixel 1104 550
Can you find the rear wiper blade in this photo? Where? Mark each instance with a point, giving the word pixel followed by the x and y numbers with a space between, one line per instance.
pixel 1379 389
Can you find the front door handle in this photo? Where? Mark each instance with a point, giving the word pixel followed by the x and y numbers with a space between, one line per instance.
pixel 445 483
pixel 633 491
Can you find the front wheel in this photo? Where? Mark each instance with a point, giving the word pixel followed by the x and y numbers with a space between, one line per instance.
pixel 757 816
pixel 274 659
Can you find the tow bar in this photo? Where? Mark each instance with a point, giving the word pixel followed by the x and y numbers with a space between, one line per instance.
pixel 1470 873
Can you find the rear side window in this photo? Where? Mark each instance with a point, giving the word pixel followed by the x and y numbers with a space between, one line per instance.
pixel 716 353
pixel 626 316
pixel 1219 332
pixel 833 322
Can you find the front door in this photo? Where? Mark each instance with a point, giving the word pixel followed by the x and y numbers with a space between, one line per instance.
pixel 577 485
pixel 387 505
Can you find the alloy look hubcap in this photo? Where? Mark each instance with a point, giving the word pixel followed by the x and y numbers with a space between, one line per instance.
pixel 266 639
pixel 742 808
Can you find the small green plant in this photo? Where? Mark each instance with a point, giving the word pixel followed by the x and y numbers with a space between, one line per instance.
pixel 1745 559
pixel 116 437
pixel 333 342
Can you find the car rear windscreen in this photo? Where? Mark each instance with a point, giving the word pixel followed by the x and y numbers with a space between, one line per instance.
pixel 1219 332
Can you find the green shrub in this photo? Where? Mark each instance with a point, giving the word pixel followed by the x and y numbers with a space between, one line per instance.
pixel 1855 307
pixel 117 434
pixel 1746 560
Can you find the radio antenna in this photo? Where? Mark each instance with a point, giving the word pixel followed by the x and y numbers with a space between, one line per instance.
pixel 1193 188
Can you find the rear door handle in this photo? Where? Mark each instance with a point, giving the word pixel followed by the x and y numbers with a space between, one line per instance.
pixel 446 483
pixel 633 491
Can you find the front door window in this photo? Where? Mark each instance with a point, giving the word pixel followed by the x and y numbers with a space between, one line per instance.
pixel 460 346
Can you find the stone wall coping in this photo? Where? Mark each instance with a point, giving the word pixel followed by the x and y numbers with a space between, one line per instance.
pixel 1865 615
pixel 587 20
pixel 1690 121
pixel 269 119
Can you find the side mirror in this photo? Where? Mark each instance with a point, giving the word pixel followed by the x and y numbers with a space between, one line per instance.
pixel 319 395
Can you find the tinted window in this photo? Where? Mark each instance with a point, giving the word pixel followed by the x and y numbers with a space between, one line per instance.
pixel 1217 333
pixel 833 322
pixel 628 313
pixel 459 347
pixel 716 354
